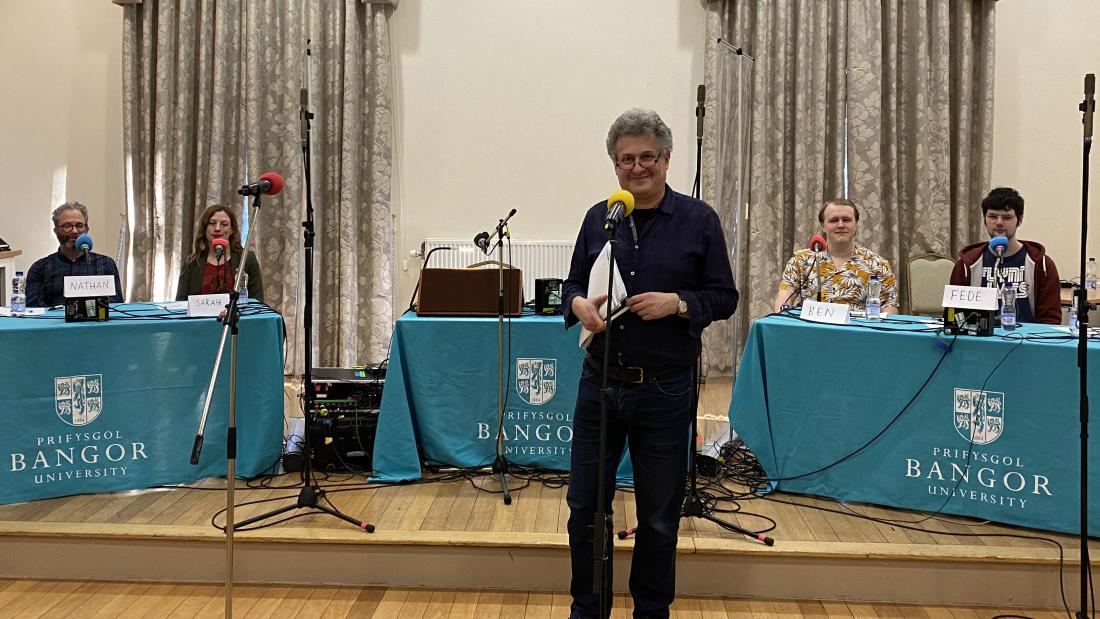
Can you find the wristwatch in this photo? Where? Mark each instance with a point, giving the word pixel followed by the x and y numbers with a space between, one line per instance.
pixel 682 308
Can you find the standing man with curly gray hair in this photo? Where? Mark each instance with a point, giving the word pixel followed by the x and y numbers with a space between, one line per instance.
pixel 673 259
pixel 46 277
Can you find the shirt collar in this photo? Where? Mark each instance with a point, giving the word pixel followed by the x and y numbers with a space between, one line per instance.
pixel 667 205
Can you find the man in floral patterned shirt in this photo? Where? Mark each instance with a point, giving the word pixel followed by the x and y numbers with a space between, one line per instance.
pixel 845 267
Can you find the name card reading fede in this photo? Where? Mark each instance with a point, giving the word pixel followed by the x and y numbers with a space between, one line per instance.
pixel 970 297
pixel 207 304
pixel 83 286
pixel 829 313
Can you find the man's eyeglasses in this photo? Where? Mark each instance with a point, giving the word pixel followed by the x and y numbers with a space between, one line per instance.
pixel 71 227
pixel 646 161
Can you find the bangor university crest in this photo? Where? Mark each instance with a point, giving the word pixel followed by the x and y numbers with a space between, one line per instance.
pixel 78 400
pixel 979 415
pixel 537 380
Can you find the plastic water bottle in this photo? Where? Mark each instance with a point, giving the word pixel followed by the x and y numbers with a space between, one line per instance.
pixel 1073 311
pixel 18 294
pixel 1090 276
pixel 242 290
pixel 1008 306
pixel 874 299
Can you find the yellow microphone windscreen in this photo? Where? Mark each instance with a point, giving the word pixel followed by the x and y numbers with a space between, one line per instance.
pixel 623 196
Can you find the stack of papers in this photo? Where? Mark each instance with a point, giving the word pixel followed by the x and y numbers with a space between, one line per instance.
pixel 597 285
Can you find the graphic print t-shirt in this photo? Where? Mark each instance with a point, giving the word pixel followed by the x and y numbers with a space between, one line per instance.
pixel 1012 270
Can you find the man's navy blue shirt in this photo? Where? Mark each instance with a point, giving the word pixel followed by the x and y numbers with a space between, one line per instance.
pixel 682 249
pixel 46 277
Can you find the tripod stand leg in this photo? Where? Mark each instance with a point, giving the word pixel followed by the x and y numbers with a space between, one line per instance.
pixel 500 469
pixel 307 499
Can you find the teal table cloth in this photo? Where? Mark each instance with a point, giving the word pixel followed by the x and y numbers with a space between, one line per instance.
pixel 896 414
pixel 101 407
pixel 440 398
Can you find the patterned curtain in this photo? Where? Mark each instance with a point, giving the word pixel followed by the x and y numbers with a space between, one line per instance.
pixel 212 100
pixel 887 102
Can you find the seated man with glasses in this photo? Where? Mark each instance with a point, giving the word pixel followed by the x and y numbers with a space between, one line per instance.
pixel 46 277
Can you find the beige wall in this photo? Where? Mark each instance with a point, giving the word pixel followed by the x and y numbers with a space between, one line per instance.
pixel 60 120
pixel 1044 50
pixel 505 104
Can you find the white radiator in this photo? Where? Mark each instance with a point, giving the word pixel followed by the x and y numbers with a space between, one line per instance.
pixel 537 259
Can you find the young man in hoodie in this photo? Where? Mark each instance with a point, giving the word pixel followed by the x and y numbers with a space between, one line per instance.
pixel 1024 263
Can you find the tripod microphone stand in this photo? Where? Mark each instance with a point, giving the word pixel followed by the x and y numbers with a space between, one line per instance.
pixel 500 463
pixel 311 493
pixel 694 506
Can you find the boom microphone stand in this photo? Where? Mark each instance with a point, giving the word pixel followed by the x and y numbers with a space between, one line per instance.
pixel 229 326
pixel 311 492
pixel 500 463
pixel 1088 107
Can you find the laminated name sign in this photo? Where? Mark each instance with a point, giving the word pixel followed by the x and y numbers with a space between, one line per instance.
pixel 206 304
pixel 86 286
pixel 829 313
pixel 970 297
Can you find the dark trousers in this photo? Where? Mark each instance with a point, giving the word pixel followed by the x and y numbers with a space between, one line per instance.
pixel 653 418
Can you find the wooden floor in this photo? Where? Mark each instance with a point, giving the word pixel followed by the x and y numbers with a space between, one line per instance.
pixel 458 506
pixel 63 599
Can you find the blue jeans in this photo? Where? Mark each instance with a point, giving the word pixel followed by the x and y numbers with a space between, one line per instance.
pixel 654 418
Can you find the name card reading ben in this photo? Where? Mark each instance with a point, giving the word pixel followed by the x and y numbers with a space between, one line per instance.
pixel 829 313
pixel 207 304
pixel 970 297
pixel 83 286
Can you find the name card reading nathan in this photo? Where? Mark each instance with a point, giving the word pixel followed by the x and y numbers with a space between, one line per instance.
pixel 82 286
pixel 829 313
pixel 207 304
pixel 970 297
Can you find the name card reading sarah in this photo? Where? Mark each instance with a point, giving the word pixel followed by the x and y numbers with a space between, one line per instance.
pixel 829 313
pixel 970 297
pixel 84 286
pixel 206 304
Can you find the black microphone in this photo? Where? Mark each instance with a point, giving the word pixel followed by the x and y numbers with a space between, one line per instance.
pixel 304 98
pixel 700 110
pixel 482 241
pixel 1088 106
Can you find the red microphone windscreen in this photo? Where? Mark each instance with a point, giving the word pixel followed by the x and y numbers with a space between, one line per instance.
pixel 276 182
pixel 224 244
pixel 817 243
